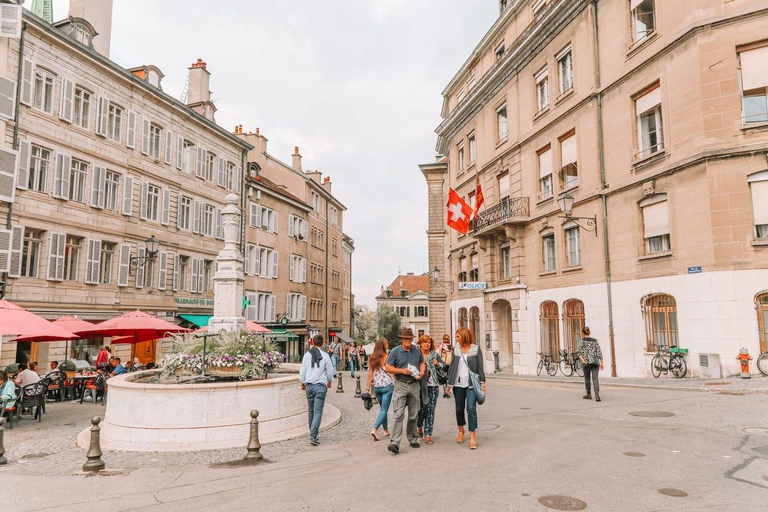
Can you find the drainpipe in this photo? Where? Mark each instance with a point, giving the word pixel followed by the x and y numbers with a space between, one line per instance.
pixel 327 240
pixel 243 199
pixel 603 187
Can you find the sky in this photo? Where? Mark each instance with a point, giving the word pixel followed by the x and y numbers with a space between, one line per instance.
pixel 354 83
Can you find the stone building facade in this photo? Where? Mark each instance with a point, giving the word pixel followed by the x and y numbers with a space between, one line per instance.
pixel 409 295
pixel 651 117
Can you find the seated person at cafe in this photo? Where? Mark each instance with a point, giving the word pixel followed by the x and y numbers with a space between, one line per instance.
pixel 129 366
pixel 54 368
pixel 7 391
pixel 110 366
pixel 119 369
pixel 27 375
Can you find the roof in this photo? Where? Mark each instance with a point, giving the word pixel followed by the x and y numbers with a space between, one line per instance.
pixel 411 283
pixel 274 187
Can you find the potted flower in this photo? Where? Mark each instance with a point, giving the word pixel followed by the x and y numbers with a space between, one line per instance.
pixel 69 368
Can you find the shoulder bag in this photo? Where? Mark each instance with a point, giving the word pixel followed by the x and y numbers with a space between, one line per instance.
pixel 442 375
pixel 474 379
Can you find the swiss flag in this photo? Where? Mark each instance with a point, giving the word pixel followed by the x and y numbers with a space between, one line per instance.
pixel 459 212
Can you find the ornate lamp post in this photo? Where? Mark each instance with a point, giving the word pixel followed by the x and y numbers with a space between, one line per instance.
pixel 565 201
pixel 151 245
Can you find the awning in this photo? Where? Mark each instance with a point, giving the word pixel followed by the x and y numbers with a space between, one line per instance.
pixel 285 335
pixel 198 320
pixel 344 337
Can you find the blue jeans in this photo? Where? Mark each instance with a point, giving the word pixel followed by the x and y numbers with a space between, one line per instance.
pixel 315 401
pixel 353 366
pixel 335 362
pixel 466 396
pixel 384 397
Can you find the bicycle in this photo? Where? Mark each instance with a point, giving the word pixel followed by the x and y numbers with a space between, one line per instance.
pixel 675 364
pixel 762 363
pixel 570 363
pixel 546 361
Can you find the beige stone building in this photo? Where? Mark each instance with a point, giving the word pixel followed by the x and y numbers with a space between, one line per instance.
pixel 651 117
pixel 102 160
pixel 409 296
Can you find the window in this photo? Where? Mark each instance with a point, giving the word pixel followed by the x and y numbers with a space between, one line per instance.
pixel 655 224
pixel 334 312
pixel 474 273
pixel 152 203
pixel 545 173
pixel 261 307
pixel 542 89
pixel 43 90
pixel 336 280
pixel 82 115
pixel 548 252
pixel 210 166
pixel 758 184
pixel 297 228
pixel 182 279
pixel 650 135
pixel 317 274
pixel 334 247
pixel 112 184
pixel 754 85
pixel 115 123
pixel 461 157
pixel 206 228
pixel 30 256
pixel 334 215
pixel 318 239
pixel 568 158
pixel 474 323
pixel 77 178
pixel 761 303
pixel 643 18
pixel 565 70
pixel 230 175
pixel 314 200
pixel 463 317
pixel 296 307
pixel 463 269
pixel 148 273
pixel 185 213
pixel 660 313
pixel 573 323
pixel 404 311
pixel 506 262
pixel 388 293
pixel 39 164
pixel 503 186
pixel 573 245
pixel 105 262
pixel 298 269
pixel 501 118
pixel 268 220
pixel 188 156
pixel 208 272
pixel 550 330
pixel 472 148
pixel 71 257
pixel 499 52
pixel 154 141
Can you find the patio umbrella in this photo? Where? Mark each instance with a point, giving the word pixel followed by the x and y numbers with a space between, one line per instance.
pixel 249 327
pixel 17 321
pixel 69 323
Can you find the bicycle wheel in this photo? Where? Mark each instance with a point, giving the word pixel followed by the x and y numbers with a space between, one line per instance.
pixel 762 363
pixel 538 368
pixel 579 367
pixel 678 366
pixel 552 369
pixel 566 368
pixel 657 366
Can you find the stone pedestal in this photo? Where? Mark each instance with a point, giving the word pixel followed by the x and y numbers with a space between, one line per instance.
pixel 228 283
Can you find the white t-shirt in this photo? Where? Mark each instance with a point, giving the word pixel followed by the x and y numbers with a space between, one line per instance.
pixel 462 375
pixel 27 377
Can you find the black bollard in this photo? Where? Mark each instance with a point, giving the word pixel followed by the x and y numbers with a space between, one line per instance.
pixel 94 463
pixel 340 387
pixel 358 391
pixel 254 445
pixel 3 460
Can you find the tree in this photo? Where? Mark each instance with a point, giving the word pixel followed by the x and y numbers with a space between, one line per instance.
pixel 366 324
pixel 389 325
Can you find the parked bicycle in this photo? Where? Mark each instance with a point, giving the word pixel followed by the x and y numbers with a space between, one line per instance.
pixel 546 361
pixel 570 363
pixel 669 360
pixel 762 363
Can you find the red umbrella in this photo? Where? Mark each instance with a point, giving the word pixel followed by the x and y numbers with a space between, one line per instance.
pixel 17 321
pixel 69 323
pixel 249 327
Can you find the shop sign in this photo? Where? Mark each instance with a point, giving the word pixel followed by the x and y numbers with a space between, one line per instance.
pixel 189 301
pixel 472 286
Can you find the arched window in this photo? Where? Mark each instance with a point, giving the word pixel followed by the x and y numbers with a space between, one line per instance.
pixel 550 330
pixel 474 323
pixel 573 322
pixel 462 317
pixel 762 319
pixel 660 321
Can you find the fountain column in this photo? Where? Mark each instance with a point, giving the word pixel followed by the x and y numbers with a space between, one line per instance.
pixel 228 282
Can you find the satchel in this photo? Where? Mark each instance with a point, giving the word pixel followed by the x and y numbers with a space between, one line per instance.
pixel 474 379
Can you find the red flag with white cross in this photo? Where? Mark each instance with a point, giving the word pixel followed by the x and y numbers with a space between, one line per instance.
pixel 459 212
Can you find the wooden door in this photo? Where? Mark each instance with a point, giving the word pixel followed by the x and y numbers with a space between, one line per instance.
pixel 145 351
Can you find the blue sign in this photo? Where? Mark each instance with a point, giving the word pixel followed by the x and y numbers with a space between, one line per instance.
pixel 694 270
pixel 472 286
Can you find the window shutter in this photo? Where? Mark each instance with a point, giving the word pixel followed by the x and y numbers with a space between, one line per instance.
pixel 199 162
pixel 247 260
pixel 6 239
pixel 568 150
pixel 102 116
pixel 238 179
pixel 67 99
pixel 648 101
pixel 292 272
pixel 92 262
pixel 219 223
pixel 9 162
pixel 221 176
pixel 97 198
pixel 254 215
pixel 754 72
pixel 197 206
pixel 10 20
pixel 130 140
pixel 162 275
pixel 17 244
pixel 145 136
pixel 272 304
pixel 7 98
pixel 545 163
pixel 273 222
pixel 140 269
pixel 303 300
pixel 144 198
pixel 303 270
pixel 250 309
pixel 291 230
pixel 125 265
pixel 303 225
pixel 656 219
pixel 760 201
pixel 256 255
pixel 289 306
pixel 179 152
pixel 168 146
pixel 128 197
pixel 22 176
pixel 27 82
pixel 62 251
pixel 53 251
pixel 274 265
pixel 165 219
pixel 61 177
pixel 200 275
pixel 193 284
pixel 176 276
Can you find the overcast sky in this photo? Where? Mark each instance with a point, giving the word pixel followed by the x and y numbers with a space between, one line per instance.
pixel 354 83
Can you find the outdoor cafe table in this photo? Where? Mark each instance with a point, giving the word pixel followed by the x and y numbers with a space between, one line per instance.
pixel 81 381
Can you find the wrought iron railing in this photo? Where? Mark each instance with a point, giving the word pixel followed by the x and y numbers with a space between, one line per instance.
pixel 508 209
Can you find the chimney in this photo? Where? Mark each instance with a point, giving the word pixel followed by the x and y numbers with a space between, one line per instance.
pixel 296 159
pixel 99 14
pixel 327 184
pixel 199 83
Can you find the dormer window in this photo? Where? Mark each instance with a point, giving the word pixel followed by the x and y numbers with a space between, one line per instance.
pixel 389 293
pixel 403 293
pixel 78 29
pixel 154 78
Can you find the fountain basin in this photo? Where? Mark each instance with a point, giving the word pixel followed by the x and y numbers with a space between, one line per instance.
pixel 144 416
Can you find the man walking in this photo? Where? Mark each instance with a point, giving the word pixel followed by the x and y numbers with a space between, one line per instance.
pixel 316 376
pixel 407 364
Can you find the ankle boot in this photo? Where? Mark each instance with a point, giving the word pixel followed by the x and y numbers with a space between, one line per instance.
pixel 472 441
pixel 460 437
pixel 588 396
pixel 597 397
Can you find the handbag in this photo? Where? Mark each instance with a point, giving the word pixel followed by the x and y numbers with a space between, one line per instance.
pixel 474 379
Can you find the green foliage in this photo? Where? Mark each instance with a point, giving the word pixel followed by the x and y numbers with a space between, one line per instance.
pixel 389 325
pixel 366 324
pixel 12 369
pixel 67 366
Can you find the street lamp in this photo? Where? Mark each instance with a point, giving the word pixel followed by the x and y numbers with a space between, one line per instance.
pixel 151 245
pixel 565 201
pixel 436 278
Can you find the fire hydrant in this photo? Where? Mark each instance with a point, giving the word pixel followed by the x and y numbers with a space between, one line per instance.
pixel 744 358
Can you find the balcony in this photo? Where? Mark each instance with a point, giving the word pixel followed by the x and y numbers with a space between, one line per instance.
pixel 511 210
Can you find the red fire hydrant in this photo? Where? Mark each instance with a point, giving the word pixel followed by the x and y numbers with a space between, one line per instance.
pixel 744 358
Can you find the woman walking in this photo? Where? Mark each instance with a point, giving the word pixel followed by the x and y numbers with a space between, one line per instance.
pixel 430 387
pixel 383 385
pixel 447 354
pixel 592 358
pixel 467 357
pixel 353 355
